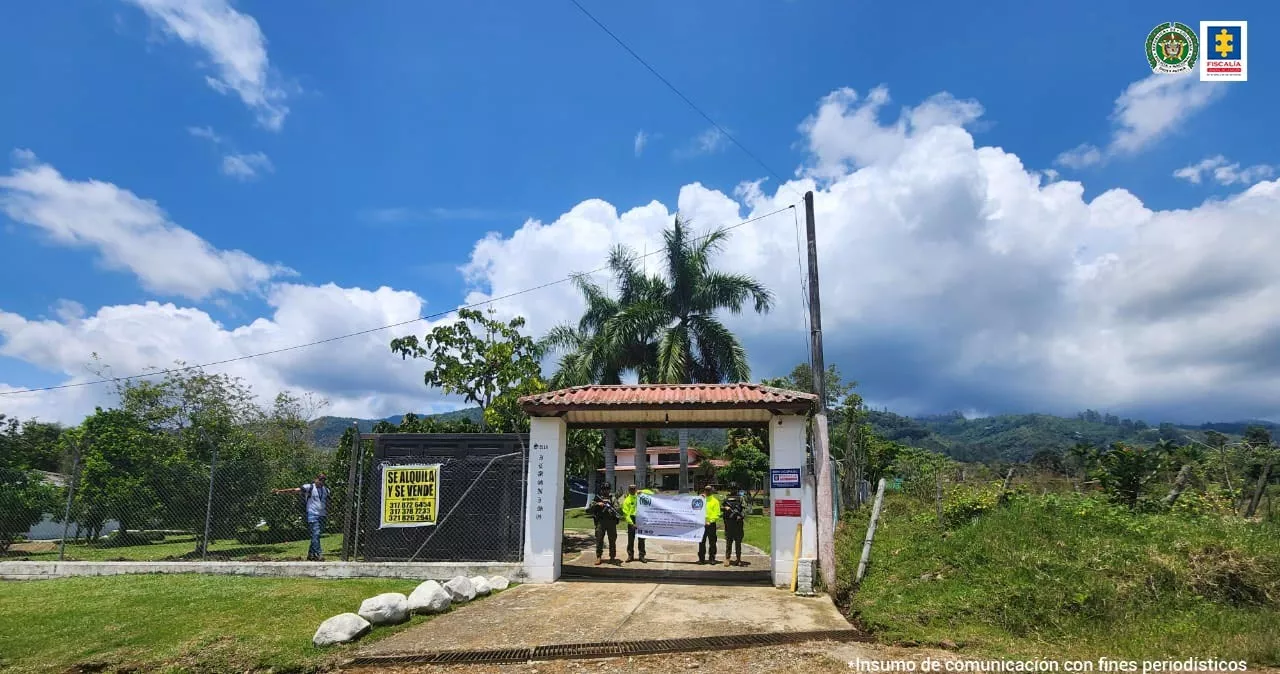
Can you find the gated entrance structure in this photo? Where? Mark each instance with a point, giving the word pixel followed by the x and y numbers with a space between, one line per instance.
pixel 784 413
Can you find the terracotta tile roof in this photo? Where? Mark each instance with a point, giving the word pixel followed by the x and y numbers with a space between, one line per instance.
pixel 669 396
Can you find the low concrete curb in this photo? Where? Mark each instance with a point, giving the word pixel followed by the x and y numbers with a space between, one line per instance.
pixel 413 570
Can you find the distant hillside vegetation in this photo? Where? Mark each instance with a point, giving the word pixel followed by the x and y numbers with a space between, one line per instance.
pixel 1018 437
pixel 328 430
pixel 1007 437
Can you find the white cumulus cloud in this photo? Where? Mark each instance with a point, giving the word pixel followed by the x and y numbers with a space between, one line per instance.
pixel 128 232
pixel 955 278
pixel 846 133
pixel 359 375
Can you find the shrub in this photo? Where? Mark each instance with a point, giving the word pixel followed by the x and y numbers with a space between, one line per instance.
pixel 963 504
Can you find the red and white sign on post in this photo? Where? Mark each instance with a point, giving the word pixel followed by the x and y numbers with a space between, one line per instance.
pixel 786 507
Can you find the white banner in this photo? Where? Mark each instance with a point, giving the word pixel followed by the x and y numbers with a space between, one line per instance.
pixel 671 517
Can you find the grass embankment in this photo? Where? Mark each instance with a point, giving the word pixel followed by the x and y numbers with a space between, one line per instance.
pixel 755 532
pixel 1070 577
pixel 189 623
pixel 178 548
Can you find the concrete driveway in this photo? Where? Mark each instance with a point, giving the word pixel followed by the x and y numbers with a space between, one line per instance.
pixel 584 612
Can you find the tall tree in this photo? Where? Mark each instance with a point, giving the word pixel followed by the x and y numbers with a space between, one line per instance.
pixel 480 367
pixel 594 353
pixel 678 312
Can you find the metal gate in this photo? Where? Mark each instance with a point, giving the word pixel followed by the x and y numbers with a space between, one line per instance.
pixel 480 500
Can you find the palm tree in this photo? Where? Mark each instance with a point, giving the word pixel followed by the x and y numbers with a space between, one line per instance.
pixel 588 359
pixel 670 321
pixel 592 353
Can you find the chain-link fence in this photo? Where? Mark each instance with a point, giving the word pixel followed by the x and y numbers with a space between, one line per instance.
pixel 234 506
pixel 417 497
pixel 441 497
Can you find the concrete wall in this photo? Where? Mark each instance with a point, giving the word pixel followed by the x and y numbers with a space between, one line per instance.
pixel 409 570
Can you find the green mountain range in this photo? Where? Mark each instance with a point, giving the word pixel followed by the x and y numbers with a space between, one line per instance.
pixel 328 430
pixel 1006 437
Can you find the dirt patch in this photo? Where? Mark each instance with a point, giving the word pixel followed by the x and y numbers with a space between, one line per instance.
pixel 34 546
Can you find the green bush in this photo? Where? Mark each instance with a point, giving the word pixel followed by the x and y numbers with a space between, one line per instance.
pixel 963 504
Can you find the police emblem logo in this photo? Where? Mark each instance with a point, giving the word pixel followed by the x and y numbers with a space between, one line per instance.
pixel 1224 52
pixel 645 500
pixel 1172 48
pixel 696 503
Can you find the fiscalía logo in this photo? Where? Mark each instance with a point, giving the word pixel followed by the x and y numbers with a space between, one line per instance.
pixel 1224 51
pixel 696 503
pixel 645 500
pixel 1172 48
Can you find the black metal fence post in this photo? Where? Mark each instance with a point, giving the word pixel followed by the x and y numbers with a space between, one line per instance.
pixel 208 506
pixel 349 505
pixel 71 490
pixel 358 495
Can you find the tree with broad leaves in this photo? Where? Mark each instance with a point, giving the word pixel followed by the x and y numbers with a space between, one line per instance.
pixel 748 464
pixel 481 364
pixel 801 379
pixel 24 496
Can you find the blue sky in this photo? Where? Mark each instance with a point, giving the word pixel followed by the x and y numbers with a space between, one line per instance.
pixel 374 145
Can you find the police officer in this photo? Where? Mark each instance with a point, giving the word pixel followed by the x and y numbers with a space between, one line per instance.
pixel 735 516
pixel 604 510
pixel 629 506
pixel 709 531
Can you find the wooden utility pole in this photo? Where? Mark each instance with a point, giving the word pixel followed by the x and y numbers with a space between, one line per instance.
pixel 822 455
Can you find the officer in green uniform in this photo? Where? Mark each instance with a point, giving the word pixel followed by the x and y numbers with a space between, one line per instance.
pixel 604 510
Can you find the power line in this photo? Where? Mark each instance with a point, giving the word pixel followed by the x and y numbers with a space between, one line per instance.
pixel 672 87
pixel 318 342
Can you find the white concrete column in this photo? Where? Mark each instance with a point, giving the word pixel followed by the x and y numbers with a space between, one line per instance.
pixel 544 508
pixel 786 450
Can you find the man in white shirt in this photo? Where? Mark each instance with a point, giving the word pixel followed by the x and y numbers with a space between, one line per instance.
pixel 315 502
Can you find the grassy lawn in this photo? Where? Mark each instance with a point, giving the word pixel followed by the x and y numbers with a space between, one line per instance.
pixel 755 531
pixel 1070 577
pixel 576 518
pixel 176 547
pixel 191 623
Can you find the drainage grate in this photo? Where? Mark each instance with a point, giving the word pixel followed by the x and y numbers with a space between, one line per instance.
pixel 606 649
